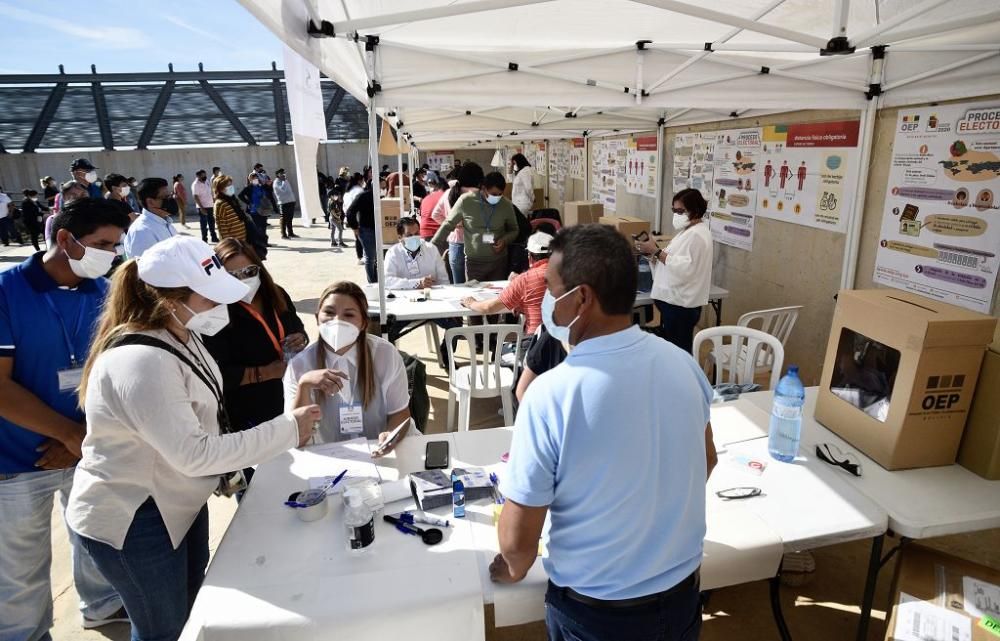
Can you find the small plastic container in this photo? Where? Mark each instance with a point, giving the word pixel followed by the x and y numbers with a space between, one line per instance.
pixel 314 502
pixel 369 490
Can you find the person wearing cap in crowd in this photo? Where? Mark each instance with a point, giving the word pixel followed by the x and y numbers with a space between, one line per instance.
pixel 158 437
pixel 525 292
pixel 285 195
pixel 85 173
pixel 49 305
pixel 153 224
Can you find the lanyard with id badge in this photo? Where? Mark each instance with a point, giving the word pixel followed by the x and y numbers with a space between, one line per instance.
pixel 69 377
pixel 488 237
pixel 351 412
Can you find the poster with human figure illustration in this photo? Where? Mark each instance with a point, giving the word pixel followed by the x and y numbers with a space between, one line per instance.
pixel 733 203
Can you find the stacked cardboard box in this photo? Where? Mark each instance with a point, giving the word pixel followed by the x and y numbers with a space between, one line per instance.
pixel 980 449
pixel 581 212
pixel 628 226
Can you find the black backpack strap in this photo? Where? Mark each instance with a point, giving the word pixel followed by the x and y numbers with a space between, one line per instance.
pixel 150 341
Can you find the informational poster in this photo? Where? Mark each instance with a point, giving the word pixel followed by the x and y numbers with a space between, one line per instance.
pixel 577 159
pixel 734 188
pixel 808 173
pixel 539 160
pixel 608 169
pixel 640 166
pixel 941 219
pixel 441 161
pixel 558 170
pixel 694 155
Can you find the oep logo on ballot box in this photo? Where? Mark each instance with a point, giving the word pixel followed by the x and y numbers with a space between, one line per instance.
pixel 943 392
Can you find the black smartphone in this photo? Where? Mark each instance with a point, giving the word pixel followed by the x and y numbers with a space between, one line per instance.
pixel 436 455
pixel 642 237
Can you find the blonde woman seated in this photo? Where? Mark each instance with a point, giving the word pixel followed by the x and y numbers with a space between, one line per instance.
pixel 357 379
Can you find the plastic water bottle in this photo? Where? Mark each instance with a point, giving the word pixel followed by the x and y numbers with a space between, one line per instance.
pixel 457 497
pixel 360 522
pixel 786 417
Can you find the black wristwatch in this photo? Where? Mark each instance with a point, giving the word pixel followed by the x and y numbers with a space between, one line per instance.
pixel 656 256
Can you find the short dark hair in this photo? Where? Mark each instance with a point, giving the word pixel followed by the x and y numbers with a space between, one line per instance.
pixel 28 193
pixel 494 179
pixel 215 169
pixel 84 216
pixel 149 187
pixel 600 257
pixel 280 171
pixel 406 221
pixel 113 180
pixel 201 171
pixel 693 202
pixel 406 166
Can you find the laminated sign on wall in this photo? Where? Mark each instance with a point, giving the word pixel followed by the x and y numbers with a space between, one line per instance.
pixel 734 186
pixel 694 156
pixel 941 220
pixel 640 167
pixel 441 161
pixel 577 159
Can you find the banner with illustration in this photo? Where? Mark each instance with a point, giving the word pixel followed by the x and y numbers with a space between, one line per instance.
pixel 607 170
pixel 694 155
pixel 734 186
pixel 941 218
pixel 539 161
pixel 808 173
pixel 641 164
pixel 578 159
pixel 441 161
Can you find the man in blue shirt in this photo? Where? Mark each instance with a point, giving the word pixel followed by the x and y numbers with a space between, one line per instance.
pixel 85 173
pixel 620 467
pixel 154 223
pixel 49 306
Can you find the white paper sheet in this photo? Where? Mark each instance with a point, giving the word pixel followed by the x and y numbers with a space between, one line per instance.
pixel 918 620
pixel 981 598
pixel 356 457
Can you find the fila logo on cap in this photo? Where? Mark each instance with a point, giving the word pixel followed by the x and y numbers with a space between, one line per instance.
pixel 209 263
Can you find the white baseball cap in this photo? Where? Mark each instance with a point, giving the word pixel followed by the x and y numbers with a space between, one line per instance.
pixel 538 243
pixel 184 261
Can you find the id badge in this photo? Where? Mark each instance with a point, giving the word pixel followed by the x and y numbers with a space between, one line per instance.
pixel 70 378
pixel 489 238
pixel 351 421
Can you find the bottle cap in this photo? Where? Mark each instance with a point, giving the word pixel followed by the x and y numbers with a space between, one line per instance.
pixel 793 369
pixel 353 498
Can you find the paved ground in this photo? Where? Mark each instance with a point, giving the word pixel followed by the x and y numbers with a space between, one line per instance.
pixel 823 610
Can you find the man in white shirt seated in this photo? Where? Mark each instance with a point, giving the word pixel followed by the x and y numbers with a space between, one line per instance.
pixel 413 263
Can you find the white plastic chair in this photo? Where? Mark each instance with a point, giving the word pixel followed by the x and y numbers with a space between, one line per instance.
pixel 742 341
pixel 433 338
pixel 485 376
pixel 777 322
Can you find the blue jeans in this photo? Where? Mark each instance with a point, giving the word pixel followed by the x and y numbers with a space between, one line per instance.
pixel 367 237
pixel 677 324
pixel 456 258
pixel 672 617
pixel 206 218
pixel 26 502
pixel 158 583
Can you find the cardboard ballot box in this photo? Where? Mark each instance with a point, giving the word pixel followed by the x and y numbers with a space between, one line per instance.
pixel 390 218
pixel 405 189
pixel 537 203
pixel 939 596
pixel 581 212
pixel 628 226
pixel 899 375
pixel 980 449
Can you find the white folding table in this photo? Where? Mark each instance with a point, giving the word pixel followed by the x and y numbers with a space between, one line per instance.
pixel 920 503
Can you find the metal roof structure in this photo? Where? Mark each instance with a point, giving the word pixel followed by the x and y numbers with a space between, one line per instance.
pixel 140 110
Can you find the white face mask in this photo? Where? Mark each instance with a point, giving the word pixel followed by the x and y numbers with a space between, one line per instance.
pixel 254 284
pixel 680 221
pixel 125 191
pixel 94 263
pixel 338 333
pixel 90 176
pixel 229 191
pixel 254 182
pixel 208 323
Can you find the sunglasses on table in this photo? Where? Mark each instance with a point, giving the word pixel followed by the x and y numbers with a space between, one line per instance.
pixel 247 272
pixel 829 453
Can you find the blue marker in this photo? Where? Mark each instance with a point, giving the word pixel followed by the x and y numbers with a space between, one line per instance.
pixel 457 497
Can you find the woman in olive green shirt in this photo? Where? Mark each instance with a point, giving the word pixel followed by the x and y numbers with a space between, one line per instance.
pixel 490 226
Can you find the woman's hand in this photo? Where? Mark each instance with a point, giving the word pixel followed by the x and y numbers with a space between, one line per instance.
pixel 646 247
pixel 296 342
pixel 307 418
pixel 328 381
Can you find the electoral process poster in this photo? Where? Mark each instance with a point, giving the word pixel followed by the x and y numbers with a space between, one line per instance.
pixel 941 219
pixel 734 197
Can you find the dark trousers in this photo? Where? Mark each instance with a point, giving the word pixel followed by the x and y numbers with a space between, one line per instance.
pixel 677 324
pixel 206 218
pixel 156 583
pixel 673 616
pixel 367 237
pixel 260 220
pixel 287 213
pixel 34 231
pixel 359 249
pixel 7 231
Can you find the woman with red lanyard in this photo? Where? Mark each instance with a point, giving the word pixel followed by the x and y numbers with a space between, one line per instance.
pixel 264 332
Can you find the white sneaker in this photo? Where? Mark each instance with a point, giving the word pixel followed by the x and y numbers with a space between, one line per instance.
pixel 119 616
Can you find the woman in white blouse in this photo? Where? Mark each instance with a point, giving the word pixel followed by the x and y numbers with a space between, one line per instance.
pixel 523 190
pixel 682 273
pixel 157 440
pixel 358 379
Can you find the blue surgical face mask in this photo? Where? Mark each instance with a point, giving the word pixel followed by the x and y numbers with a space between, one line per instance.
pixel 493 200
pixel 557 332
pixel 412 243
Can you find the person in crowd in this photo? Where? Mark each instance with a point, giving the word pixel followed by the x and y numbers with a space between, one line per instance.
pixel 357 378
pixel 85 173
pixel 606 581
pixel 158 436
pixel 356 186
pixel 413 263
pixel 682 273
pixel 524 293
pixel 263 333
pixel 396 179
pixel 361 216
pixel 384 172
pixel 285 196
pixel 118 193
pixel 154 223
pixel 253 195
pixel 233 223
pixel 523 189
pixel 456 240
pixel 489 223
pixel 335 210
pixel 181 198
pixel 542 354
pixel 204 202
pixel 419 185
pixel 267 184
pixel 49 305
pixel 70 191
pixel 133 196
pixel 49 190
pixel 343 179
pixel 428 225
pixel 31 216
pixel 8 231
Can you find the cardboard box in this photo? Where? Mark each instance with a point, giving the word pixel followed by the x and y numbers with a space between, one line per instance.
pixel 390 218
pixel 956 591
pixel 628 226
pixel 980 448
pixel 899 375
pixel 405 189
pixel 538 203
pixel 581 212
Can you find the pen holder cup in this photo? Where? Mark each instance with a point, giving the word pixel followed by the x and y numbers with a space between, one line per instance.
pixel 315 509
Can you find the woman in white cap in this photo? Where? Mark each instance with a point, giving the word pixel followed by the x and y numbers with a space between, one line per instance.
pixel 158 438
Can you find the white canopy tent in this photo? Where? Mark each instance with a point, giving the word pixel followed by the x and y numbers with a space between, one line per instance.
pixel 449 71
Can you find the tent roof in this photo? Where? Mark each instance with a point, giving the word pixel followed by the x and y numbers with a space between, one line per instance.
pixel 473 69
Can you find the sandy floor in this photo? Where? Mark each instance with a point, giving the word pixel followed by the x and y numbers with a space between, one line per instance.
pixel 826 609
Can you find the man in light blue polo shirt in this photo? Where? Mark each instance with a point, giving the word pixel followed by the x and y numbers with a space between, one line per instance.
pixel 153 224
pixel 615 444
pixel 49 306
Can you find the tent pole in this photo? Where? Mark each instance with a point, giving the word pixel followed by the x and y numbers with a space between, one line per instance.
pixel 373 161
pixel 660 131
pixel 942 27
pixel 930 73
pixel 841 9
pixel 399 169
pixel 375 23
pixel 586 161
pixel 869 36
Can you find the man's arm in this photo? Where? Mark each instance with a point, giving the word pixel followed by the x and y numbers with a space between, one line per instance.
pixel 519 530
pixel 21 407
pixel 527 378
pixel 711 458
pixel 492 306
pixel 395 274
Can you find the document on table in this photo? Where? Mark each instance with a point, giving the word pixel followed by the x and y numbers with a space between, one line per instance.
pixel 918 620
pixel 982 599
pixel 354 455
